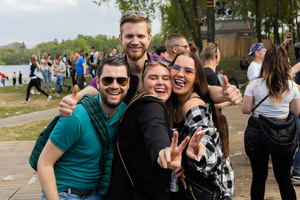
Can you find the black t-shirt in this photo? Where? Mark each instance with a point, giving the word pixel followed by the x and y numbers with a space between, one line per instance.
pixel 211 77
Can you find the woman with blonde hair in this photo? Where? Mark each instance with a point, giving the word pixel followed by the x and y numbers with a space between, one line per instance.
pixel 276 96
pixel 140 163
pixel 73 60
pixel 35 81
pixel 46 67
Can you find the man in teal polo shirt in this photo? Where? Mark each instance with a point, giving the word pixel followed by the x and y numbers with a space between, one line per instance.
pixel 69 164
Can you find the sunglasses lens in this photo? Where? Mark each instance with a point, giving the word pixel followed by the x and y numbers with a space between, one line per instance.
pixel 122 81
pixel 106 81
pixel 128 13
pixel 140 13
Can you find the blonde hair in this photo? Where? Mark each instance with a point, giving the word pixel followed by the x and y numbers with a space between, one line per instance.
pixel 140 92
pixel 210 51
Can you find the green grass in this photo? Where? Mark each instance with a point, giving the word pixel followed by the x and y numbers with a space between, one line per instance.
pixel 25 132
pixel 12 96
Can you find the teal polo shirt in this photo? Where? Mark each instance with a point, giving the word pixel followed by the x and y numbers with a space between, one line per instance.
pixel 75 135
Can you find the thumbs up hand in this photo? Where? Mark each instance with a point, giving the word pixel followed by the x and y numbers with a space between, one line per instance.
pixel 230 92
pixel 68 103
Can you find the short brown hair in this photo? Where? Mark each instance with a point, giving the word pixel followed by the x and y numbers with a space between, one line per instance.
pixel 135 18
pixel 172 40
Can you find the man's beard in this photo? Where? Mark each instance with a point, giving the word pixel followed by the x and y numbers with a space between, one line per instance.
pixel 103 97
pixel 135 56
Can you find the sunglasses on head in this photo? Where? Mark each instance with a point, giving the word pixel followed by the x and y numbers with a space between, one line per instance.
pixel 122 81
pixel 140 13
pixel 186 70
pixel 151 62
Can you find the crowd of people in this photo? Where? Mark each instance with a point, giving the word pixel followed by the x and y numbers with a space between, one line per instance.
pixel 161 115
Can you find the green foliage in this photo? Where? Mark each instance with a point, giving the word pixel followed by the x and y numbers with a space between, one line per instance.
pixel 17 53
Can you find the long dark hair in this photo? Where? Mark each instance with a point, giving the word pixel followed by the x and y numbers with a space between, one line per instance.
pixel 201 88
pixel 276 72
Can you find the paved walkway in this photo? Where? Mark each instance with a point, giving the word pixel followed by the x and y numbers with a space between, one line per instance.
pixel 19 182
pixel 30 117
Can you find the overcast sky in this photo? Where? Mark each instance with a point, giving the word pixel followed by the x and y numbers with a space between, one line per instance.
pixel 36 21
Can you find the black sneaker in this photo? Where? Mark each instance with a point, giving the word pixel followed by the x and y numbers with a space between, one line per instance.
pixel 295 177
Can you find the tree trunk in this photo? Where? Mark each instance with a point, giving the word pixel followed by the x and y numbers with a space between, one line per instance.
pixel 187 21
pixel 297 23
pixel 210 24
pixel 291 21
pixel 258 20
pixel 276 24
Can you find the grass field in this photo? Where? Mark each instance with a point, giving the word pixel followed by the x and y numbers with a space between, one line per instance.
pixel 12 96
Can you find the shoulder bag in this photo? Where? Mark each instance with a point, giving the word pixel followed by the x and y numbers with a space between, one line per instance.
pixel 279 136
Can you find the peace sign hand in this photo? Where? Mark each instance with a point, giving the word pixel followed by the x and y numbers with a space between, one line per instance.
pixel 170 157
pixel 196 150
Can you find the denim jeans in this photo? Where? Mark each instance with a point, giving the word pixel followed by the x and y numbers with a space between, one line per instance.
pixel 297 155
pixel 47 78
pixel 61 79
pixel 69 196
pixel 3 82
pixel 80 81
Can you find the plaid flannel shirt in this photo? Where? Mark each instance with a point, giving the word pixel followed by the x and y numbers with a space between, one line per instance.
pixel 210 167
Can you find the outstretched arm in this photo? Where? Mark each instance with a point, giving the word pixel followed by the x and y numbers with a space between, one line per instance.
pixel 225 93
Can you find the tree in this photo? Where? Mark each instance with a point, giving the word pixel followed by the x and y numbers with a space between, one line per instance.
pixel 189 10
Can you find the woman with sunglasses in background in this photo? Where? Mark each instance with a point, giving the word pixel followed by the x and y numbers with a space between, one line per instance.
pixel 207 160
pixel 143 139
pixel 279 96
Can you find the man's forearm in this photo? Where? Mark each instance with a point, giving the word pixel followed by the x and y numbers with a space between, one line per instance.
pixel 48 181
pixel 216 94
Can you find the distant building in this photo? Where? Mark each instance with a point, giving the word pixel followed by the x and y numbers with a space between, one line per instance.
pixel 237 28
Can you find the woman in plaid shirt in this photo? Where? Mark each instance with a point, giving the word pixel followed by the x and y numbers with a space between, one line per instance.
pixel 206 158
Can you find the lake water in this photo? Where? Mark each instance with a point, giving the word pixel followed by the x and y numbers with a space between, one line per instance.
pixel 9 69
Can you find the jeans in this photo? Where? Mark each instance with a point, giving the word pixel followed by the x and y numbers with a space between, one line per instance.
pixel 69 196
pixel 80 81
pixel 47 78
pixel 297 155
pixel 61 79
pixel 3 82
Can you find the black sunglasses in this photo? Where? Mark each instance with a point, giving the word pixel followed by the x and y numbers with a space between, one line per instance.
pixel 142 14
pixel 122 81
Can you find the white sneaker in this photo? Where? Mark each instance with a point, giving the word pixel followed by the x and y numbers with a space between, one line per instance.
pixel 49 98
pixel 24 102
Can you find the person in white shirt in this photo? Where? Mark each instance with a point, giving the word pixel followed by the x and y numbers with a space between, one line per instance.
pixel 93 59
pixel 258 52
